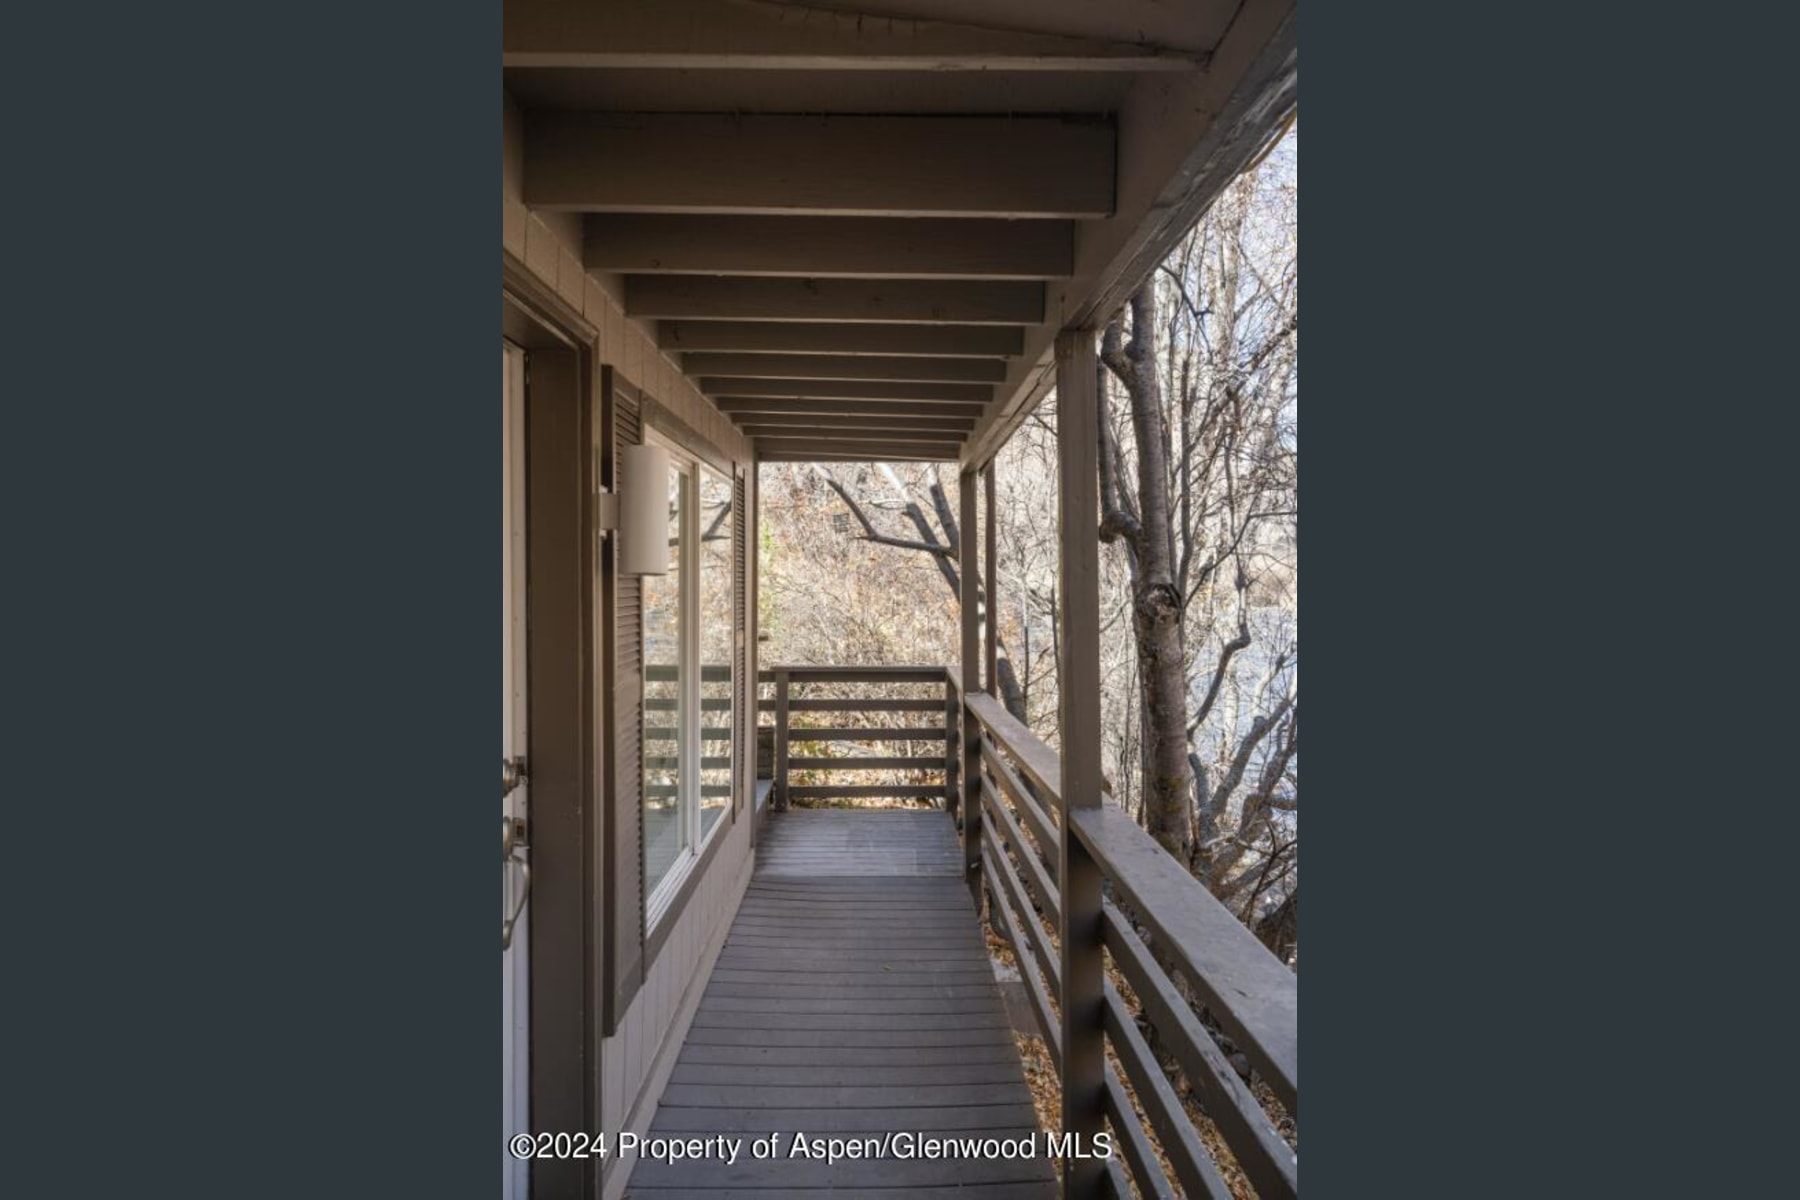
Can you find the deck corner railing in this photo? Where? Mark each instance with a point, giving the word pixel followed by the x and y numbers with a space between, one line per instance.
pixel 846 714
pixel 1177 964
pixel 1182 957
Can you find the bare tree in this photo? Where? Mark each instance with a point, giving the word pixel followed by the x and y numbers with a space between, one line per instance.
pixel 1199 466
pixel 944 544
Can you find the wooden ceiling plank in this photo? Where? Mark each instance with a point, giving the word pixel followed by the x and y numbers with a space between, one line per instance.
pixel 934 441
pixel 829 428
pixel 905 301
pixel 896 166
pixel 846 337
pixel 968 394
pixel 689 35
pixel 845 366
pixel 847 456
pixel 753 408
pixel 941 451
pixel 752 423
pixel 1187 140
pixel 826 247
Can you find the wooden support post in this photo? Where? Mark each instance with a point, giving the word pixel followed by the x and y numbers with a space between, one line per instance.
pixel 970 579
pixel 752 631
pixel 990 672
pixel 952 747
pixel 781 739
pixel 1083 1000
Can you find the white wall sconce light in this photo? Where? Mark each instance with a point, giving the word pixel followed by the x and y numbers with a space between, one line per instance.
pixel 644 510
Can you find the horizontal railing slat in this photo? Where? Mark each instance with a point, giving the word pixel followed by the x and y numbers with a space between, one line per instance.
pixel 663 673
pixel 866 792
pixel 843 733
pixel 862 763
pixel 1133 1145
pixel 1250 991
pixel 901 674
pixel 1038 761
pixel 1193 1165
pixel 882 704
pixel 1044 891
pixel 999 867
pixel 1034 985
pixel 1049 845
pixel 1266 1159
pixel 1118 1187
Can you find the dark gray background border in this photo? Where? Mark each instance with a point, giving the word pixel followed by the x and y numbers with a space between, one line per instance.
pixel 249 472
pixel 250 465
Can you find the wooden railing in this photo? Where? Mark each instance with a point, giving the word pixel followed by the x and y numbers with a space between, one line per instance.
pixel 662 742
pixel 1155 924
pixel 837 695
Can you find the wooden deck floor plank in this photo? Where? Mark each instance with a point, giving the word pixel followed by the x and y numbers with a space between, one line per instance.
pixel 992 1191
pixel 986 1117
pixel 787 1173
pixel 846 1056
pixel 854 995
pixel 842 976
pixel 801 1007
pixel 727 1095
pixel 875 1039
pixel 914 988
pixel 877 909
pixel 810 1075
pixel 753 956
pixel 823 945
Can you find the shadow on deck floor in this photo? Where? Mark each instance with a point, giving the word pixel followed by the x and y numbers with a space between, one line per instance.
pixel 853 998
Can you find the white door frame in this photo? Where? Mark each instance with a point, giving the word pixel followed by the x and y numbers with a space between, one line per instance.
pixel 516 958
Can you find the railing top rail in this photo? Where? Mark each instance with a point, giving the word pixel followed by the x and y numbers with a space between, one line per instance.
pixel 1039 762
pixel 797 673
pixel 668 672
pixel 1251 992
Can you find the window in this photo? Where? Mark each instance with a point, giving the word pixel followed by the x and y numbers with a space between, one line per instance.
pixel 665 713
pixel 715 648
pixel 688 681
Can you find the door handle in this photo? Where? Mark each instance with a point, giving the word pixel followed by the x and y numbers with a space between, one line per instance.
pixel 506 931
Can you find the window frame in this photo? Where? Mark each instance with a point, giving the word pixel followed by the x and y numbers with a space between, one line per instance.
pixel 665 898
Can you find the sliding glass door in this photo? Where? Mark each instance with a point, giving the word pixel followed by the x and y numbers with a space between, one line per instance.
pixel 688 681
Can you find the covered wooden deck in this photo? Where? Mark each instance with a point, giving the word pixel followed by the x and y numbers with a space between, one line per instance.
pixel 854 998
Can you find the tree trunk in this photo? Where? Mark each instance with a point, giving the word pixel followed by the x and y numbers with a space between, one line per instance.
pixel 1156 602
pixel 1280 929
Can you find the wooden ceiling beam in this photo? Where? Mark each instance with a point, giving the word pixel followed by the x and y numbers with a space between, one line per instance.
pixel 884 436
pixel 750 409
pixel 832 429
pixel 688 35
pixel 1186 139
pixel 905 301
pixel 841 337
pixel 826 247
pixel 845 366
pixel 757 424
pixel 969 394
pixel 821 448
pixel 892 166
pixel 782 456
